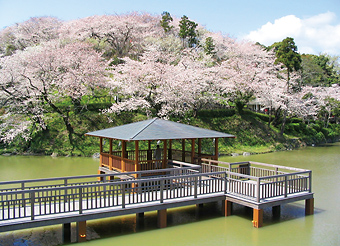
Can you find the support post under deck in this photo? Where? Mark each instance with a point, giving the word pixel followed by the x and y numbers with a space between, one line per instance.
pixel 276 210
pixel 81 231
pixel 161 218
pixel 66 233
pixel 309 206
pixel 227 207
pixel 257 218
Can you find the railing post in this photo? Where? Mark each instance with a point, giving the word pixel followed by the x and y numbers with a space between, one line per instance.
pixel 123 195
pixel 32 204
pixel 310 181
pixel 226 183
pixel 65 191
pixel 161 190
pixel 258 189
pixel 195 187
pixel 285 186
pixel 80 200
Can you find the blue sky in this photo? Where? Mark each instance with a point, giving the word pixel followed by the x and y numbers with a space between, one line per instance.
pixel 314 24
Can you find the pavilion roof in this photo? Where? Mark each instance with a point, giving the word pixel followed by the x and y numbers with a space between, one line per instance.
pixel 157 129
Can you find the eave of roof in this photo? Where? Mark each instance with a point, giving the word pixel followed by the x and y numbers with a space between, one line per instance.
pixel 157 129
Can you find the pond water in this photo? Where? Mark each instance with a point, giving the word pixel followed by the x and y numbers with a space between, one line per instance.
pixel 206 226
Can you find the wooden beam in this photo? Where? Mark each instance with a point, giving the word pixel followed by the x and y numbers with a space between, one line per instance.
pixel 193 151
pixel 81 231
pixel 227 207
pixel 161 218
pixel 257 217
pixel 309 206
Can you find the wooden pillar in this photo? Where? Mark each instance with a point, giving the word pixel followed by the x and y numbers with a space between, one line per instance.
pixel 101 145
pixel 257 218
pixel 183 150
pixel 309 206
pixel 66 233
pixel 199 151
pixel 161 218
pixel 227 207
pixel 193 151
pixel 216 149
pixel 110 156
pixel 81 231
pixel 137 166
pixel 170 150
pixel 100 178
pixel 101 151
pixel 123 156
pixel 149 153
pixel 165 156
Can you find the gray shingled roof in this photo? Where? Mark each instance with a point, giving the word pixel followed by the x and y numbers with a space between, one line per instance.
pixel 157 129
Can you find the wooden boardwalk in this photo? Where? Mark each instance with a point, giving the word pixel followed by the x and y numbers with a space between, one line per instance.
pixel 33 203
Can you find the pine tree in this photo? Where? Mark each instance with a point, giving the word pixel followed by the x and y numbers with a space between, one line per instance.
pixel 166 19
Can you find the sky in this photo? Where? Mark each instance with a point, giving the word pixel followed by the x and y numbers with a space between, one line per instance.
pixel 314 24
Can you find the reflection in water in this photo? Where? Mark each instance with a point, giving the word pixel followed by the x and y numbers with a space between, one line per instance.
pixel 203 226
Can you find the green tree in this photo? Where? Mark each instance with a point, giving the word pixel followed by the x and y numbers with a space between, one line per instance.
pixel 188 31
pixel 209 46
pixel 165 22
pixel 286 53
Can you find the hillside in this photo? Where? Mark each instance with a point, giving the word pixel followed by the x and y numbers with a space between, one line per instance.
pixel 59 80
pixel 251 129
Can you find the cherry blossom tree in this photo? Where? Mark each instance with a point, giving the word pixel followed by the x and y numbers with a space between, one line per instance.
pixel 38 79
pixel 118 35
pixel 31 32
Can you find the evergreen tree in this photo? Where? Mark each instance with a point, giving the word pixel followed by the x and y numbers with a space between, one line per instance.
pixel 166 19
pixel 188 31
pixel 209 46
pixel 286 53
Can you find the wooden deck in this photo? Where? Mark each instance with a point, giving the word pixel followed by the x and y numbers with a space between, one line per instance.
pixel 33 203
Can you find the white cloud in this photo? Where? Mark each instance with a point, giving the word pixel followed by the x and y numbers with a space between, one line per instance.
pixel 316 34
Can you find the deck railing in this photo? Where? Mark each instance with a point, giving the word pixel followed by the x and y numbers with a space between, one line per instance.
pixel 175 168
pixel 79 198
pixel 31 198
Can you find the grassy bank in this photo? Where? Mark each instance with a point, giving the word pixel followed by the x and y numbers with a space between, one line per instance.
pixel 253 134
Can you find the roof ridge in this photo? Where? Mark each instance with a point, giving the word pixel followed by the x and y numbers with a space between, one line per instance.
pixel 152 121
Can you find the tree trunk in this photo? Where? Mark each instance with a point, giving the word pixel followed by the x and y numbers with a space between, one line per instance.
pixel 283 126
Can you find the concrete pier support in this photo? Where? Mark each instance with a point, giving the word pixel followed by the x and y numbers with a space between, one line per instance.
pixel 257 218
pixel 276 210
pixel 81 231
pixel 161 218
pixel 200 205
pixel 66 233
pixel 227 207
pixel 309 206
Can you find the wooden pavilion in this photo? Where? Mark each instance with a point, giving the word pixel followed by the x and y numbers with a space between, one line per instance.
pixel 131 147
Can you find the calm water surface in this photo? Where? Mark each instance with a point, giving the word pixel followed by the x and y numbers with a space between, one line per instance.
pixel 189 226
